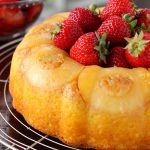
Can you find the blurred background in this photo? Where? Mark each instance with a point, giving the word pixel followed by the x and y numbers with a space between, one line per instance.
pixel 54 6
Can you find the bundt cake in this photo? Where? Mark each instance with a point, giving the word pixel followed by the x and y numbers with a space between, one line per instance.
pixel 83 106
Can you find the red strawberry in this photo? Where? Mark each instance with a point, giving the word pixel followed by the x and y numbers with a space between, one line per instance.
pixel 144 19
pixel 8 1
pixel 118 7
pixel 34 12
pixel 12 17
pixel 66 34
pixel 116 28
pixel 117 58
pixel 85 18
pixel 138 50
pixel 146 35
pixel 90 49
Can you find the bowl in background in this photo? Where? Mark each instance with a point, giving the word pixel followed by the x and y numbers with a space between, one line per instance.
pixel 17 16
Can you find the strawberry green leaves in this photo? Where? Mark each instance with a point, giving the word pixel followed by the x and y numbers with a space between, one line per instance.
pixel 102 47
pixel 137 44
pixel 131 22
pixel 56 30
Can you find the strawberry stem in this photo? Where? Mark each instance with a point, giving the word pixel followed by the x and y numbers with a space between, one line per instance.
pixel 56 30
pixel 93 8
pixel 102 46
pixel 136 10
pixel 148 16
pixel 131 22
pixel 127 17
pixel 137 44
pixel 143 27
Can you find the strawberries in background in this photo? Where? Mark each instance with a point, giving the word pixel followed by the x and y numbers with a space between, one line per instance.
pixel 12 17
pixel 33 12
pixel 15 18
pixel 9 0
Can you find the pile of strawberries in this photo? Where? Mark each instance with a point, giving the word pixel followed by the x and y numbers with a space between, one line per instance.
pixel 14 17
pixel 119 35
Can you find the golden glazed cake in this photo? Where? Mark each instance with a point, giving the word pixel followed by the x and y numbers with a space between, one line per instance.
pixel 83 106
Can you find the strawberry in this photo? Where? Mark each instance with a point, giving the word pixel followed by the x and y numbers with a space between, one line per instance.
pixel 4 1
pixel 86 18
pixel 146 35
pixel 90 49
pixel 12 17
pixel 34 12
pixel 117 58
pixel 118 7
pixel 144 19
pixel 138 50
pixel 116 28
pixel 66 34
